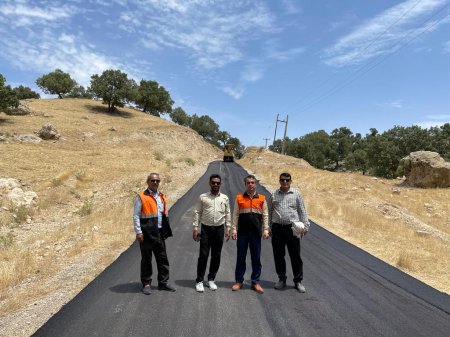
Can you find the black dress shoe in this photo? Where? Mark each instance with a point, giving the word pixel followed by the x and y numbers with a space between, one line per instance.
pixel 280 285
pixel 166 286
pixel 147 290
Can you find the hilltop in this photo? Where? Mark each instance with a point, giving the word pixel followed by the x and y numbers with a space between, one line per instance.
pixel 86 180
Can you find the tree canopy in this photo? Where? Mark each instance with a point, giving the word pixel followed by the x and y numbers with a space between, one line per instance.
pixel 153 98
pixel 8 98
pixel 56 83
pixel 180 117
pixel 113 87
pixel 205 127
pixel 376 154
pixel 25 92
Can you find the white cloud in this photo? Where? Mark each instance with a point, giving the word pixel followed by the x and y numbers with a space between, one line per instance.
pixel 50 52
pixel 253 72
pixel 429 124
pixel 213 34
pixel 286 55
pixel 434 120
pixel 291 7
pixel 385 33
pixel 396 104
pixel 447 47
pixel 236 93
pixel 23 15
pixel 439 117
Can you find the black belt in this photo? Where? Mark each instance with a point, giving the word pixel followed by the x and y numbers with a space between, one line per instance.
pixel 280 224
pixel 211 226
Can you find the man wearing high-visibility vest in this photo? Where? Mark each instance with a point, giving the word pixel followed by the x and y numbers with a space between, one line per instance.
pixel 250 222
pixel 152 228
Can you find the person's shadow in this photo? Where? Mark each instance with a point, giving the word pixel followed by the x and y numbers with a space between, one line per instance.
pixel 127 288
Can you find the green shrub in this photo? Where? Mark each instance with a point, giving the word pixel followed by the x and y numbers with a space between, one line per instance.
pixel 6 240
pixel 189 161
pixel 57 182
pixel 86 208
pixel 21 213
pixel 158 155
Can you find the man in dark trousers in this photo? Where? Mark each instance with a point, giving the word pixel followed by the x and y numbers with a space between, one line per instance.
pixel 212 214
pixel 152 228
pixel 286 206
pixel 250 222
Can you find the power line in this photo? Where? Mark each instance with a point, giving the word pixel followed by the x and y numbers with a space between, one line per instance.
pixel 370 43
pixel 369 66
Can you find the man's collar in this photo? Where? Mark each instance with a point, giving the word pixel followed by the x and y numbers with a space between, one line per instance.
pixel 149 191
pixel 256 195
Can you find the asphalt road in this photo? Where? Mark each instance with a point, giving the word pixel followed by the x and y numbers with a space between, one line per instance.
pixel 349 292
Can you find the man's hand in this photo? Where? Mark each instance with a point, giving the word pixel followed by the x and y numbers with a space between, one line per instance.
pixel 140 237
pixel 196 235
pixel 265 234
pixel 227 235
pixel 234 234
pixel 303 234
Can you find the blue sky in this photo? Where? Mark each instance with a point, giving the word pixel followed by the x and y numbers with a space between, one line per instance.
pixel 325 64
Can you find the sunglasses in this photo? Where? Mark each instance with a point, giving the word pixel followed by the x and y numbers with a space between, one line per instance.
pixel 215 182
pixel 285 180
pixel 155 180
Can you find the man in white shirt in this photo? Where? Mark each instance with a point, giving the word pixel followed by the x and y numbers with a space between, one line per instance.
pixel 212 214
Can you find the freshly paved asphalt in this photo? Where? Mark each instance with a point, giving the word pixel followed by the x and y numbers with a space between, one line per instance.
pixel 349 292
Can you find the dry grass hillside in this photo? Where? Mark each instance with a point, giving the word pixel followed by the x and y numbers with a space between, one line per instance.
pixel 408 228
pixel 85 183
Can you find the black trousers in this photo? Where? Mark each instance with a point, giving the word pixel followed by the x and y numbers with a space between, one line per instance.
pixel 211 240
pixel 282 236
pixel 158 248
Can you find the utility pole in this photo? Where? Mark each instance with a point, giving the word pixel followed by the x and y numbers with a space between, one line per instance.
pixel 266 139
pixel 275 135
pixel 284 138
pixel 285 129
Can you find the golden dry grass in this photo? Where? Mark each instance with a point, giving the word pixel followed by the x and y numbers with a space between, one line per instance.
pixel 86 182
pixel 408 228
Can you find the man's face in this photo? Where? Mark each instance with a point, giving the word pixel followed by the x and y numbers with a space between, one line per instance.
pixel 285 183
pixel 214 183
pixel 153 182
pixel 250 185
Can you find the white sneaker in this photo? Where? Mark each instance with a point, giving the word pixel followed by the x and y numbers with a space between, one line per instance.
pixel 199 287
pixel 212 285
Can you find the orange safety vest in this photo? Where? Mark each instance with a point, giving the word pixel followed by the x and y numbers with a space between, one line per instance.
pixel 250 213
pixel 149 205
pixel 149 217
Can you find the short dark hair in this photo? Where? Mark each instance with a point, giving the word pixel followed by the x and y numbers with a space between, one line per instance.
pixel 285 175
pixel 212 176
pixel 250 176
pixel 152 174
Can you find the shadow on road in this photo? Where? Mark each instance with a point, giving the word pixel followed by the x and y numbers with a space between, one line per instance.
pixel 126 288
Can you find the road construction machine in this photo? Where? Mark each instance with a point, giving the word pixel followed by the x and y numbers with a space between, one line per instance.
pixel 228 152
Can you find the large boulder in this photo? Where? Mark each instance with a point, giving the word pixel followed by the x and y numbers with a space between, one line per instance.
pixel 426 169
pixel 22 109
pixel 12 192
pixel 48 131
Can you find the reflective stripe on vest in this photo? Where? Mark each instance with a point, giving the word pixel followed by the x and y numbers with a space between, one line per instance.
pixel 248 205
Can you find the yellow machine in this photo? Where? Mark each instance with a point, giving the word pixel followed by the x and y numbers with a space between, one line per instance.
pixel 228 152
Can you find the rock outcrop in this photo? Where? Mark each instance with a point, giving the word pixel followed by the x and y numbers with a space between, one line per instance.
pixel 426 169
pixel 48 131
pixel 12 192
